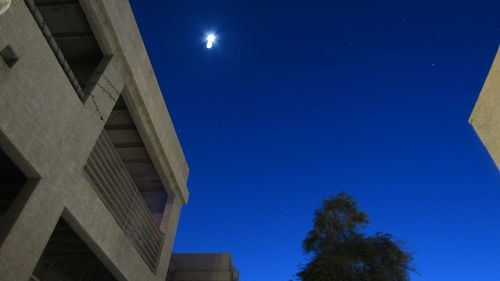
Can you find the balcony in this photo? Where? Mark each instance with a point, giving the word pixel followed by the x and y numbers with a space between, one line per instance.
pixel 68 33
pixel 124 176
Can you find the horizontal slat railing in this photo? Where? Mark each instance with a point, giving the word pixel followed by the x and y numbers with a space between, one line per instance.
pixel 117 189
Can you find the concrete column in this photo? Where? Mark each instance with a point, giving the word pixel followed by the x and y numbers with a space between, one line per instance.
pixel 20 252
pixel 169 227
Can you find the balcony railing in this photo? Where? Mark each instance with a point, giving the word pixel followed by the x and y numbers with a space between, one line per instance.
pixel 117 189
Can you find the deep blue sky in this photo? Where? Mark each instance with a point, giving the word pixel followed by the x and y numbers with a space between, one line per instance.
pixel 302 99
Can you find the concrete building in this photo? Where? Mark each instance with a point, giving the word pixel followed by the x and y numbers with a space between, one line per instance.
pixel 202 267
pixel 92 175
pixel 485 117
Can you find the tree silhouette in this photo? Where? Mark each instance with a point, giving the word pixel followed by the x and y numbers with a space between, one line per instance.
pixel 341 252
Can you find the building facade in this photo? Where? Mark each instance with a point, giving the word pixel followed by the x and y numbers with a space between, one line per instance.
pixel 202 267
pixel 485 117
pixel 92 174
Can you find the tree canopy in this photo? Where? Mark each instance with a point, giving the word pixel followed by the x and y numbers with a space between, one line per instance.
pixel 341 252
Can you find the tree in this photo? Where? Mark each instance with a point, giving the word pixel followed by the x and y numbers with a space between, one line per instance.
pixel 341 252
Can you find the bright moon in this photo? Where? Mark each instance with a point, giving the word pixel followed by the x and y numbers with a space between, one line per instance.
pixel 210 40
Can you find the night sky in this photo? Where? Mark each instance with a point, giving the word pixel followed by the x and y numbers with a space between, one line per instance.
pixel 298 100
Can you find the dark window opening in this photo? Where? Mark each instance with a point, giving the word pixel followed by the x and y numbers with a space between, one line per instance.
pixel 67 258
pixel 12 180
pixel 66 28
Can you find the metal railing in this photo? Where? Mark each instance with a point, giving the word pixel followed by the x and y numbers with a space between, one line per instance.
pixel 117 189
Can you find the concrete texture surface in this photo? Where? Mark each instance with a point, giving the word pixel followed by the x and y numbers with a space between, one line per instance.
pixel 485 117
pixel 203 267
pixel 48 131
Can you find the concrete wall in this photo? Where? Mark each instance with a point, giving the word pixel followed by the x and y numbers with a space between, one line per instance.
pixel 485 117
pixel 203 267
pixel 49 132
